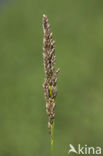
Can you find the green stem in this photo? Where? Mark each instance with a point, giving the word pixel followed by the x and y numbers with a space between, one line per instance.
pixel 52 139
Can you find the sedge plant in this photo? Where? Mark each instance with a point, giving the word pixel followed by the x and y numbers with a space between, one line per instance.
pixel 50 81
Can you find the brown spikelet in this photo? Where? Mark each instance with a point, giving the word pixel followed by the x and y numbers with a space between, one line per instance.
pixel 49 58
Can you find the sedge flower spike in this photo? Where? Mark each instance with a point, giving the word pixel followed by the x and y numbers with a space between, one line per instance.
pixel 50 81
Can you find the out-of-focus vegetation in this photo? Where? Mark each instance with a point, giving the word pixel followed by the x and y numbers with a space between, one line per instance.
pixel 78 31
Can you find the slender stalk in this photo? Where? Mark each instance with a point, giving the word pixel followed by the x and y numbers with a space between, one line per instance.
pixel 52 140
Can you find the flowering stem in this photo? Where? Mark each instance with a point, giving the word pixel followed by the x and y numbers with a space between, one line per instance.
pixel 50 82
pixel 52 139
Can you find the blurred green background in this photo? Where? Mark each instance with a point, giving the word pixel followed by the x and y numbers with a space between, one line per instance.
pixel 78 30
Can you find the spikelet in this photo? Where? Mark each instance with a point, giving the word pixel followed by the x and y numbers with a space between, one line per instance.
pixel 50 81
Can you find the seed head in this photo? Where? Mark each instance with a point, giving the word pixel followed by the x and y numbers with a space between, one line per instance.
pixel 50 81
